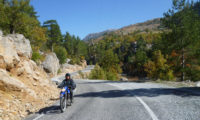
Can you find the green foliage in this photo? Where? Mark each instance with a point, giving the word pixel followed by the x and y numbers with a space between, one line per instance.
pixel 181 43
pixel 98 73
pixel 110 62
pixel 158 67
pixel 18 16
pixel 101 74
pixel 75 60
pixel 59 71
pixel 37 57
pixel 112 76
pixel 53 33
pixel 81 74
pixel 61 53
pixel 75 46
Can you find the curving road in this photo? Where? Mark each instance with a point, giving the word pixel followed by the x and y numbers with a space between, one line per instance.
pixel 105 100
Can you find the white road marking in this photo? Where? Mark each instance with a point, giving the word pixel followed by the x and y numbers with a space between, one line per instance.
pixel 148 109
pixel 151 113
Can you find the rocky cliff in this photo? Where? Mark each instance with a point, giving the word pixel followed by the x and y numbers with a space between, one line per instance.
pixel 24 87
pixel 51 64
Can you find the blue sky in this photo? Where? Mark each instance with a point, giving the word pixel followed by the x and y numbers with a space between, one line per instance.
pixel 81 17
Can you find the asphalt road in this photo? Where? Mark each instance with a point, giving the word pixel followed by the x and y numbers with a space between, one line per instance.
pixel 105 100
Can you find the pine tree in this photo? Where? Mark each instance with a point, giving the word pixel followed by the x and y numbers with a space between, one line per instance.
pixel 183 36
pixel 53 33
pixel 18 16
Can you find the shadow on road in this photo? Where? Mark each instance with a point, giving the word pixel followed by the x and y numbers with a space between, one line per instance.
pixel 151 92
pixel 50 110
pixel 104 82
pixel 101 82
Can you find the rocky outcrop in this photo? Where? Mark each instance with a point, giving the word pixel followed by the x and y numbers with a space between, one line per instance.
pixel 24 87
pixel 198 84
pixel 51 64
pixel 68 68
pixel 12 47
pixel 23 47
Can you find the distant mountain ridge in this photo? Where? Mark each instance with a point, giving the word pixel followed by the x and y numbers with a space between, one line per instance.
pixel 96 35
pixel 150 25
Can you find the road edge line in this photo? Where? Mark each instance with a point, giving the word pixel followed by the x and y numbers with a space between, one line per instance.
pixel 151 113
pixel 148 109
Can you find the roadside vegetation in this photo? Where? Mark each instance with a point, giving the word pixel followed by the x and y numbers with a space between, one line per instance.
pixel 171 54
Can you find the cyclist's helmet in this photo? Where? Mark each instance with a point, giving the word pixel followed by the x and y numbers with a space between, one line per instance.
pixel 67 74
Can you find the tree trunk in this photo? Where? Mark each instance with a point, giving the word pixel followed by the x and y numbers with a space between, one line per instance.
pixel 11 29
pixel 183 66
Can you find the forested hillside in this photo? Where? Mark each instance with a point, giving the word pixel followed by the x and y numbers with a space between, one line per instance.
pixel 170 54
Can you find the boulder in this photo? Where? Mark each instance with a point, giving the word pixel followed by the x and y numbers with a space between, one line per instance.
pixel 198 84
pixel 1 33
pixel 51 64
pixel 8 54
pixel 23 46
pixel 12 47
pixel 123 79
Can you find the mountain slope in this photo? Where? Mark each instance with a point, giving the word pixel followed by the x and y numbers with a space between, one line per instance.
pixel 97 35
pixel 150 25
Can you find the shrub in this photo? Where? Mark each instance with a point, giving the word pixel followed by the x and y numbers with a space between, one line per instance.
pixel 81 74
pixel 75 61
pixel 97 73
pixel 111 76
pixel 61 53
pixel 158 68
pixel 36 56
pixel 59 71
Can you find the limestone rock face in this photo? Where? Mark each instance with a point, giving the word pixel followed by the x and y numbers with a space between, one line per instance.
pixel 11 48
pixel 51 64
pixel 23 46
pixel 24 87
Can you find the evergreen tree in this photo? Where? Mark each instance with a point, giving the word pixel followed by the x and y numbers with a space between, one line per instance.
pixel 53 33
pixel 18 16
pixel 110 62
pixel 183 21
